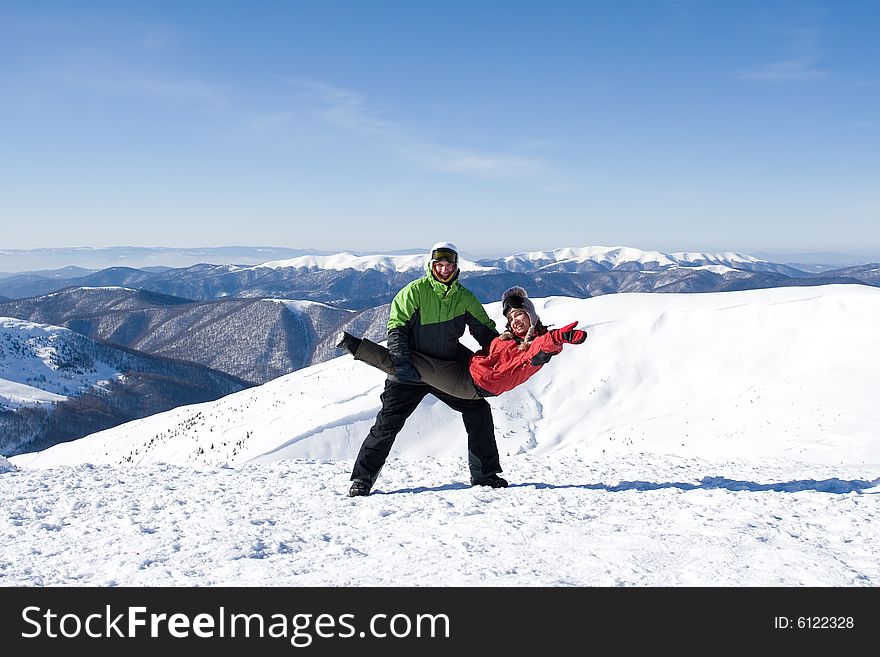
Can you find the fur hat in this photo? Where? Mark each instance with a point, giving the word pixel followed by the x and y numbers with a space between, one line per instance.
pixel 516 298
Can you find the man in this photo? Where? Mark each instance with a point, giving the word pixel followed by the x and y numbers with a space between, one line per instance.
pixel 429 315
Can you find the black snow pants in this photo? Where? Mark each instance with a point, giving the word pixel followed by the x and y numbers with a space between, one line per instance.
pixel 399 400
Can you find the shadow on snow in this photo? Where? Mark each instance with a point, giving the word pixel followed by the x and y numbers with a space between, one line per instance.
pixel 834 485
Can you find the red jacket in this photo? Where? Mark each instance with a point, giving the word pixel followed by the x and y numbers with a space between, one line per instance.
pixel 506 366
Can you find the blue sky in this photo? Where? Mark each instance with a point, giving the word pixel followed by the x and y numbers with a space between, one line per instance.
pixel 502 126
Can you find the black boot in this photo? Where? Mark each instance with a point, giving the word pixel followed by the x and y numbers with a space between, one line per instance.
pixel 349 343
pixel 359 488
pixel 491 480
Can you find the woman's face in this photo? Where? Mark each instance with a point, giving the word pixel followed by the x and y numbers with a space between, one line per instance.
pixel 519 322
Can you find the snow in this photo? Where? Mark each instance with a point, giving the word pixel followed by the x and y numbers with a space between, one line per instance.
pixel 29 365
pixel 14 394
pixel 107 287
pixel 632 521
pixel 297 305
pixel 613 256
pixel 715 269
pixel 382 263
pixel 723 439
pixel 717 258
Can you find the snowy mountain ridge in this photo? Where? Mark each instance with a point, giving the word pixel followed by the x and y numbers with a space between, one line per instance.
pixel 603 256
pixel 616 256
pixel 358 282
pixel 383 263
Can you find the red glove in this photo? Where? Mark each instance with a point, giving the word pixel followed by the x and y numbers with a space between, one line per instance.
pixel 568 334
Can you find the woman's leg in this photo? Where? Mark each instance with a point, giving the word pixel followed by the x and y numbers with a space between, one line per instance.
pixel 449 376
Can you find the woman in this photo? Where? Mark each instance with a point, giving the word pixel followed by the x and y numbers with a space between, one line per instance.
pixel 512 358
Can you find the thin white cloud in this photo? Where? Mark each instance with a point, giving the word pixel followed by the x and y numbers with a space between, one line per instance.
pixel 786 71
pixel 354 111
pixel 190 90
pixel 331 105
pixel 488 167
pixel 125 83
pixel 798 39
pixel 269 121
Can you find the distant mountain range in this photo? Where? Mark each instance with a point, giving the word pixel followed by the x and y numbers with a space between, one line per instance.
pixel 90 259
pixel 57 385
pixel 358 282
pixel 815 262
pixel 94 258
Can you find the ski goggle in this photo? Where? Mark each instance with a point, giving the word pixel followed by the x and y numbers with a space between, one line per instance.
pixel 439 255
pixel 513 302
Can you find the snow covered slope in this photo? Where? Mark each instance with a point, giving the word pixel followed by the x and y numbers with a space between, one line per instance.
pixel 786 371
pixel 42 364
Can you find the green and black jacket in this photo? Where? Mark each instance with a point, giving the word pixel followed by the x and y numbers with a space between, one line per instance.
pixel 429 317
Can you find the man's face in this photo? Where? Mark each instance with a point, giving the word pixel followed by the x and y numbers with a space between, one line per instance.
pixel 519 322
pixel 444 270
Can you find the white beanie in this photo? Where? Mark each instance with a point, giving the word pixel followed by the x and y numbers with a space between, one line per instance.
pixel 444 246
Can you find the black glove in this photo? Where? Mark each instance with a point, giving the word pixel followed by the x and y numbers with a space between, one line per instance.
pixel 574 337
pixel 406 373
